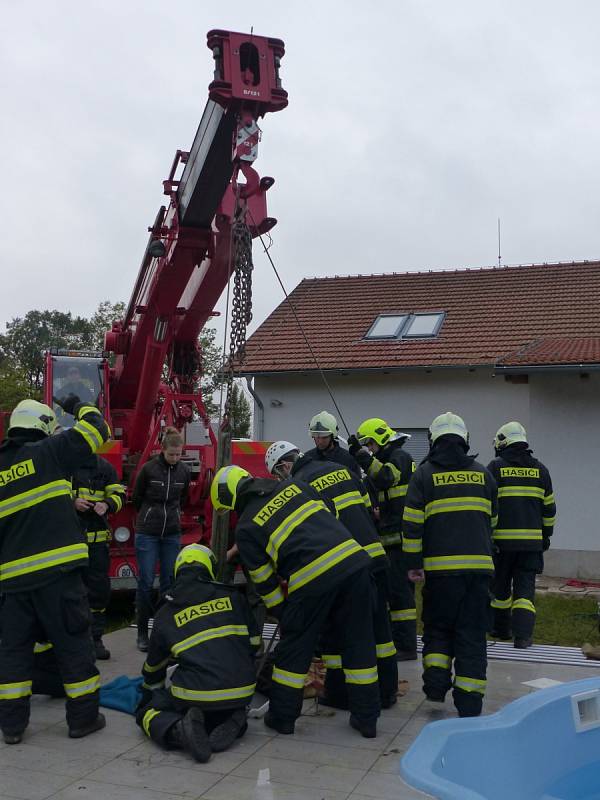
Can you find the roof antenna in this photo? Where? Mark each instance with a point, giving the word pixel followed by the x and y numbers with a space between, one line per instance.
pixel 499 254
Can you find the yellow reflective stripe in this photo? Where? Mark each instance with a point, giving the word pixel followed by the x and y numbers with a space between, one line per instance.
pixel 494 521
pixel 80 688
pixel 385 649
pixel 502 604
pixel 262 573
pixel 49 558
pixel 87 410
pixel 403 614
pixel 469 684
pixel 375 549
pixel 85 494
pixel 374 467
pixel 293 679
pixel 549 499
pixel 153 686
pixel 331 661
pixel 290 523
pixel 518 533
pixel 147 719
pixel 207 635
pixel 12 691
pixel 548 521
pixel 361 676
pixel 353 498
pixel 42 647
pixel 323 563
pixel 440 660
pixel 114 488
pixel 412 545
pixel 97 610
pixel 450 504
pixel 255 641
pixel 236 693
pixel 413 515
pixel 273 598
pixel 34 496
pixel 458 562
pixel 90 434
pixel 154 668
pixel 524 604
pixel 117 500
pixel 397 491
pixel 521 491
pixel 95 537
pixel 389 539
pixel 367 500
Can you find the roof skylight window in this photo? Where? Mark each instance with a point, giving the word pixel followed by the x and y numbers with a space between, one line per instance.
pixel 424 325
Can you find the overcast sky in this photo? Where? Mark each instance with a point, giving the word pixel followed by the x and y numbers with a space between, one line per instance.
pixel 412 126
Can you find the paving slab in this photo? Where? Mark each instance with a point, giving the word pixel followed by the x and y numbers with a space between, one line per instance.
pixel 324 760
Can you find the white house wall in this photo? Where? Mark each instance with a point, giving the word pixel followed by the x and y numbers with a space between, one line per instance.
pixel 560 411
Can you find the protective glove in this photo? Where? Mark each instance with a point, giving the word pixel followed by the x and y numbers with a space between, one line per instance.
pixel 546 543
pixel 353 445
pixel 68 403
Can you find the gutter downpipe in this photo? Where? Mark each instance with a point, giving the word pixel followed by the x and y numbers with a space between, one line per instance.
pixel 260 422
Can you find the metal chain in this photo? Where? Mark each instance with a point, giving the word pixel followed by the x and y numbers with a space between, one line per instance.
pixel 241 302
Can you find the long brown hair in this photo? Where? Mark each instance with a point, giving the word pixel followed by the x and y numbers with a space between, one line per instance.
pixel 171 438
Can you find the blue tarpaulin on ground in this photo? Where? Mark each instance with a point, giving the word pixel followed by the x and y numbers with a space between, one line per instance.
pixel 122 694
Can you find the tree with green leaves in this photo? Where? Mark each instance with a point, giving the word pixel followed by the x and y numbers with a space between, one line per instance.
pixel 102 319
pixel 13 387
pixel 240 413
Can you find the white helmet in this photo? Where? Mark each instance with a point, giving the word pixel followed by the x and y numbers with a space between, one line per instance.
pixel 510 433
pixel 323 424
pixel 276 452
pixel 448 423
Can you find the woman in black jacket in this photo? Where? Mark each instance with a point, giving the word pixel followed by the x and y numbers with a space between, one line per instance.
pixel 159 493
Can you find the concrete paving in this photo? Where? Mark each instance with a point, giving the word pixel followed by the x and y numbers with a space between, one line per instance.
pixel 324 760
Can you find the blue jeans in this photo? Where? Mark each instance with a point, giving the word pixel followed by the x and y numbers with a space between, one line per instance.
pixel 149 550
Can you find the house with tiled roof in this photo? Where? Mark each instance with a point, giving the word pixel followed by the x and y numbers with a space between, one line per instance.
pixel 491 344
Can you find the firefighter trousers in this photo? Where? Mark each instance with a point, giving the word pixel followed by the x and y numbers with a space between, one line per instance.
pixel 387 667
pixel 157 716
pixel 342 617
pixel 514 592
pixel 403 610
pixel 455 622
pixel 61 610
pixel 96 579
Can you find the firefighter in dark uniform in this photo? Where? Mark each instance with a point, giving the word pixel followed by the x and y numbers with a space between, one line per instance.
pixel 285 533
pixel 42 556
pixel 388 467
pixel 323 429
pixel 450 511
pixel 209 630
pixel 526 514
pixel 336 483
pixel 97 493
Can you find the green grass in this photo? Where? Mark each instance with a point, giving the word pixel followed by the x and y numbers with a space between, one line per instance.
pixel 561 620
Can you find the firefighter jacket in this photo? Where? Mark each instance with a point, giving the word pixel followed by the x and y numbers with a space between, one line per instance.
pixel 160 491
pixel 526 507
pixel 450 510
pixel 97 482
pixel 207 628
pixel 389 473
pixel 286 531
pixel 336 454
pixel 40 535
pixel 345 491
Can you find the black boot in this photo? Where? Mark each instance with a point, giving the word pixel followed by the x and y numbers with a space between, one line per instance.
pixel 12 738
pixel 194 736
pixel 522 644
pixel 366 729
pixel 279 725
pixel 225 734
pixel 85 730
pixel 142 641
pixel 102 653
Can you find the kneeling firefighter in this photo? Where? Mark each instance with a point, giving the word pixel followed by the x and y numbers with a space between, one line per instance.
pixel 335 482
pixel 207 627
pixel 285 532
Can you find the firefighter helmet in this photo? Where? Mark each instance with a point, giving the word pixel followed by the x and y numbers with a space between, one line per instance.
pixel 448 423
pixel 376 429
pixel 510 433
pixel 277 451
pixel 224 488
pixel 323 424
pixel 32 415
pixel 196 554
